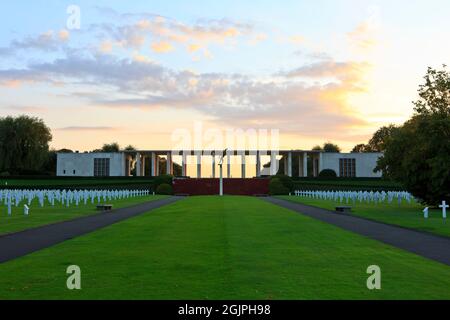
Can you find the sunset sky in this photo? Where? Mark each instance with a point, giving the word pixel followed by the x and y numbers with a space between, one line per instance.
pixel 136 71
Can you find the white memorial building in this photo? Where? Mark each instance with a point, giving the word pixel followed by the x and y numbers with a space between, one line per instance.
pixel 146 162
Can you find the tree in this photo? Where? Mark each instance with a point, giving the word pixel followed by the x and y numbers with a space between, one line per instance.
pixel 330 147
pixel 49 166
pixel 327 147
pixel 64 151
pixel 130 148
pixel 378 141
pixel 434 94
pixel 417 154
pixel 359 148
pixel 317 148
pixel 111 147
pixel 24 144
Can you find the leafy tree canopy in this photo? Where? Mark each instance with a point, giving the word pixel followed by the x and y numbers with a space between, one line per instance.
pixel 24 144
pixel 111 147
pixel 130 148
pixel 327 147
pixel 418 153
pixel 359 148
pixel 378 141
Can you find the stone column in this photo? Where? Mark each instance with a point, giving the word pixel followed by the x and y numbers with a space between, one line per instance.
pixel 199 165
pixel 273 163
pixel 285 164
pixel 258 164
pixel 157 165
pixel 320 162
pixel 184 164
pixel 154 166
pixel 314 163
pixel 289 163
pixel 138 164
pixel 300 166
pixel 169 165
pixel 228 165
pixel 243 164
pixel 143 166
pixel 305 165
pixel 213 163
pixel 128 161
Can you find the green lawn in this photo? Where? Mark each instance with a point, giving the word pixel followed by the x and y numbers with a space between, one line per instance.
pixel 405 215
pixel 223 248
pixel 345 184
pixel 349 182
pixel 48 214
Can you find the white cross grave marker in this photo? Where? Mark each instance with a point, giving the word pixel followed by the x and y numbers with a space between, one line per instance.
pixel 425 213
pixel 444 207
pixel 9 204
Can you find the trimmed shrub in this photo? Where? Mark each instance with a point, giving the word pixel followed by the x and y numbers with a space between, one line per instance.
pixel 287 181
pixel 163 179
pixel 327 173
pixel 277 188
pixel 164 189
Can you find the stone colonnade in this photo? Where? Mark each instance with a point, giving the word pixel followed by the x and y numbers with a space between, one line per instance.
pixel 143 159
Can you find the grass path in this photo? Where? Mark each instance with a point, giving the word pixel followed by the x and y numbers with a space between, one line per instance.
pixel 48 214
pixel 405 215
pixel 223 248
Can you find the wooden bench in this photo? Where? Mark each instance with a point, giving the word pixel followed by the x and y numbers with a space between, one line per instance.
pixel 343 209
pixel 104 207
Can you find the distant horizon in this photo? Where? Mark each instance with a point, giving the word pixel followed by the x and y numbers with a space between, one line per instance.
pixel 134 73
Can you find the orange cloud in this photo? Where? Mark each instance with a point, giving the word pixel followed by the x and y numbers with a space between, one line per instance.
pixel 349 72
pixel 11 83
pixel 64 35
pixel 141 58
pixel 363 37
pixel 106 47
pixel 296 39
pixel 194 47
pixel 162 47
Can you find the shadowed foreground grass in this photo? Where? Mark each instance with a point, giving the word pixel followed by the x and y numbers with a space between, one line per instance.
pixel 223 248
pixel 405 215
pixel 48 214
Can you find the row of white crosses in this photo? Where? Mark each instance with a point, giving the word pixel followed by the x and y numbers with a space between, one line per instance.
pixel 15 198
pixel 361 196
pixel 369 197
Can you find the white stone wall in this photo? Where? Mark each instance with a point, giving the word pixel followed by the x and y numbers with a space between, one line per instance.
pixel 365 163
pixel 83 164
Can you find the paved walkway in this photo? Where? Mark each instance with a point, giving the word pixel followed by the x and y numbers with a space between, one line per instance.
pixel 18 244
pixel 424 244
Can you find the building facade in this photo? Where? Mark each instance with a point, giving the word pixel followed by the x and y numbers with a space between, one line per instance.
pixel 90 165
pixel 122 164
pixel 359 165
